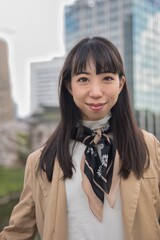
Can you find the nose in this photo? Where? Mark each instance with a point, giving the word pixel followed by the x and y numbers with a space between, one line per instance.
pixel 96 90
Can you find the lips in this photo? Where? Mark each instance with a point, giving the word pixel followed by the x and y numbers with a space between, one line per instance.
pixel 97 106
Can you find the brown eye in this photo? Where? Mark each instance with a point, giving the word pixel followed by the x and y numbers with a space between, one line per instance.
pixel 82 80
pixel 108 78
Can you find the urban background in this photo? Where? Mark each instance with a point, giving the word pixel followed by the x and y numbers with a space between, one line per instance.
pixel 134 27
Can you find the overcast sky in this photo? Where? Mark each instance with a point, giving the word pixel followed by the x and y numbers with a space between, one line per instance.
pixel 34 32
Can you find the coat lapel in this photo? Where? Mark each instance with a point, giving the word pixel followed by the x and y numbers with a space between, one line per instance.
pixel 130 189
pixel 55 221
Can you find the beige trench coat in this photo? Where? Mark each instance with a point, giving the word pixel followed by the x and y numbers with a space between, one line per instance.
pixel 43 205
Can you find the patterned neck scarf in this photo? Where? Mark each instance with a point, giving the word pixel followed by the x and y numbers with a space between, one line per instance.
pixel 98 164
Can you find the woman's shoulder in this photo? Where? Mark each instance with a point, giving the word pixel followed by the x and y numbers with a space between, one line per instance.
pixel 36 154
pixel 149 137
pixel 33 158
pixel 153 144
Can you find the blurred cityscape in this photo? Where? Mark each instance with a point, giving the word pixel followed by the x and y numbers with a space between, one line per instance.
pixel 132 25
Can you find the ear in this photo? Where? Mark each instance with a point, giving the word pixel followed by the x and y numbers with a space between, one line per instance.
pixel 69 88
pixel 122 81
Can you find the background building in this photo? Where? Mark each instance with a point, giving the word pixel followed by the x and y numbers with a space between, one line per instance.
pixel 132 25
pixel 6 102
pixel 44 84
pixel 8 127
pixel 44 100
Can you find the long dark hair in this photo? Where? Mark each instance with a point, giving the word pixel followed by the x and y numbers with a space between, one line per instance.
pixel 127 136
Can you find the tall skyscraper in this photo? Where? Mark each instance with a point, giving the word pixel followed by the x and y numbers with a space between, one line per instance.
pixel 6 102
pixel 134 27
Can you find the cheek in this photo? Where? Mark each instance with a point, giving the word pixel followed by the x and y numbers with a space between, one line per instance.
pixel 76 95
pixel 77 98
pixel 113 93
pixel 77 92
pixel 74 90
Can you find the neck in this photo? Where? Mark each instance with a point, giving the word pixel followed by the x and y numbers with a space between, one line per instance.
pixel 98 123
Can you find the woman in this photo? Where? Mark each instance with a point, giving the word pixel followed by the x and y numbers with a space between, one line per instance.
pixel 98 175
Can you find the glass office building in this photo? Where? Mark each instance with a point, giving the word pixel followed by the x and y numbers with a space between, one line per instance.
pixel 146 54
pixel 134 27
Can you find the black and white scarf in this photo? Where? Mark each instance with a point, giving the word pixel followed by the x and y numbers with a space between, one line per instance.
pixel 97 164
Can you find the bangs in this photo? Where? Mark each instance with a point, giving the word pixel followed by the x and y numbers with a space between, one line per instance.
pixel 104 58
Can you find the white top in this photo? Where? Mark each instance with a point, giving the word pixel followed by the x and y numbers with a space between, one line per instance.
pixel 82 223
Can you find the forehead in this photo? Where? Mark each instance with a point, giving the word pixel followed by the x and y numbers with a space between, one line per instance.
pixel 90 64
pixel 102 61
pixel 90 67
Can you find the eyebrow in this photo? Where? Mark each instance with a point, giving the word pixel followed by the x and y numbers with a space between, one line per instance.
pixel 83 72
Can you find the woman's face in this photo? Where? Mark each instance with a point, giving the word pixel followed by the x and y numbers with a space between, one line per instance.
pixel 95 94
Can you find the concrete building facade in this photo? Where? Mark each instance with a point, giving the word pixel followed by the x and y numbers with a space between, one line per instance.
pixel 6 102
